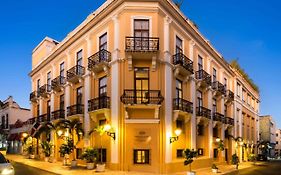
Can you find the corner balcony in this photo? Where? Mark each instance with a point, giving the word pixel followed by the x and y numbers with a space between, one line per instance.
pixel 75 74
pixel 218 119
pixel 58 114
pixel 183 66
pixel 99 105
pixel 203 114
pixel 33 96
pixel 142 100
pixel 229 96
pixel 182 107
pixel 99 61
pixel 142 44
pixel 44 91
pixel 229 121
pixel 58 83
pixel 219 89
pixel 203 79
pixel 75 111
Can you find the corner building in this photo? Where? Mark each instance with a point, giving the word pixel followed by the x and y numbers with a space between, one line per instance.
pixel 145 69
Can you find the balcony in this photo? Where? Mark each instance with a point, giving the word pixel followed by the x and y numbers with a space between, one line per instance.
pixel 75 110
pixel 44 90
pixel 131 97
pixel 33 96
pixel 102 102
pixel 142 44
pixel 58 83
pixel 203 78
pixel 182 105
pixel 30 121
pixel 58 114
pixel 203 112
pixel 218 117
pixel 229 121
pixel 183 65
pixel 219 89
pixel 229 96
pixel 75 74
pixel 99 61
pixel 43 118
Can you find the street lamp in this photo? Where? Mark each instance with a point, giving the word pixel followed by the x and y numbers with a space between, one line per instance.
pixel 107 129
pixel 218 139
pixel 176 138
pixel 24 135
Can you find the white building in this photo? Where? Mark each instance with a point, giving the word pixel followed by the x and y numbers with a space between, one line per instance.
pixel 278 143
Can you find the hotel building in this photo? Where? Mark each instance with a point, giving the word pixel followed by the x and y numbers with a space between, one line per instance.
pixel 144 68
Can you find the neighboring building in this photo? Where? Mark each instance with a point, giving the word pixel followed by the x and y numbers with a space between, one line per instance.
pixel 268 133
pixel 10 112
pixel 278 143
pixel 144 68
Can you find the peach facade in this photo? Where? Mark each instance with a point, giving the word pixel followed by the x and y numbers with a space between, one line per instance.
pixel 143 67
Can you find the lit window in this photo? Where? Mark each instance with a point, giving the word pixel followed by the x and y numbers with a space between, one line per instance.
pixel 141 156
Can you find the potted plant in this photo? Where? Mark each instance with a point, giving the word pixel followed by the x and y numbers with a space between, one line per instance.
pixel 30 150
pixel 47 148
pixel 215 169
pixel 66 149
pixel 90 155
pixel 252 158
pixel 189 155
pixel 235 160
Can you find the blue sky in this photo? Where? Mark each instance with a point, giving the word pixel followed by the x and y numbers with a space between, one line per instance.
pixel 247 30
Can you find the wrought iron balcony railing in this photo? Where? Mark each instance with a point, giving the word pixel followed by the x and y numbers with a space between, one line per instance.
pixel 203 76
pixel 135 44
pixel 183 105
pixel 229 121
pixel 75 109
pixel 44 90
pixel 218 117
pixel 99 103
pixel 203 112
pixel 76 71
pixel 30 121
pixel 33 96
pixel 219 87
pixel 42 118
pixel 102 56
pixel 58 83
pixel 58 114
pixel 184 61
pixel 142 97
pixel 230 95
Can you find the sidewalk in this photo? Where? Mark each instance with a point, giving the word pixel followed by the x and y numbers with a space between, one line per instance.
pixel 57 168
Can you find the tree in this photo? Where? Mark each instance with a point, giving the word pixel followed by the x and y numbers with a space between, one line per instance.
pixel 189 156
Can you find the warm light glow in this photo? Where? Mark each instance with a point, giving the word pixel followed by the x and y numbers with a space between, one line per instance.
pixel 178 132
pixel 218 139
pixel 107 127
pixel 66 134
pixel 241 143
pixel 24 135
pixel 60 132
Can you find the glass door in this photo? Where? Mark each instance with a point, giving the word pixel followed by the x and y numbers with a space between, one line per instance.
pixel 141 34
pixel 141 85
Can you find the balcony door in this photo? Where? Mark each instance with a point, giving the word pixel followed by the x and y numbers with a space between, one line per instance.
pixel 214 75
pixel 79 63
pixel 178 45
pixel 141 34
pixel 49 81
pixel 48 110
pixel 62 102
pixel 200 63
pixel 179 94
pixel 199 99
pixel 103 46
pixel 141 85
pixel 79 96
pixel 214 106
pixel 103 86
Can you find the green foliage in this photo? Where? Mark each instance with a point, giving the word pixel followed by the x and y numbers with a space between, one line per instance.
pixel 214 166
pixel 47 148
pixel 90 155
pixel 189 155
pixel 234 64
pixel 252 157
pixel 220 145
pixel 235 159
pixel 3 149
pixel 67 148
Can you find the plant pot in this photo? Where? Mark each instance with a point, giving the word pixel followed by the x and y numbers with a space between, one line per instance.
pixel 31 156
pixel 90 166
pixel 74 163
pixel 46 159
pixel 100 168
pixel 215 170
pixel 191 173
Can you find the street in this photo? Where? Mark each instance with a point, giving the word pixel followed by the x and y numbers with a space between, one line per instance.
pixel 22 169
pixel 268 168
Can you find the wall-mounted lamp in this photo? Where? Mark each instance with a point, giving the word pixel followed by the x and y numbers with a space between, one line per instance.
pixel 176 138
pixel 107 129
pixel 24 135
pixel 218 139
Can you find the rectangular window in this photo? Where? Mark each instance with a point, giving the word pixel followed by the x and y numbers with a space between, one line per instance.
pixel 38 84
pixel 200 130
pixel 215 153
pixel 103 42
pixel 62 102
pixel 62 69
pixel 141 28
pixel 199 99
pixel 178 45
pixel 214 105
pixel 200 62
pixel 141 156
pixel 79 57
pixel 179 153
pixel 103 86
pixel 141 85
pixel 214 75
pixel 49 81
pixel 243 94
pixel 238 86
pixel 179 124
pixel 215 132
pixel 101 155
pixel 225 83
pixel 179 89
pixel 79 95
pixel 48 109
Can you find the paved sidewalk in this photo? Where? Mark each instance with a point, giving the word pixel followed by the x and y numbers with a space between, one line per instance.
pixel 66 170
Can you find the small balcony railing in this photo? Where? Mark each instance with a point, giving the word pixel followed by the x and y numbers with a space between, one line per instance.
pixel 203 76
pixel 182 105
pixel 102 56
pixel 75 109
pixel 136 44
pixel 44 90
pixel 30 121
pixel 218 117
pixel 229 95
pixel 75 72
pixel 203 112
pixel 58 83
pixel 229 121
pixel 33 96
pixel 142 97
pixel 102 102
pixel 219 87
pixel 43 118
pixel 184 61
pixel 58 114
